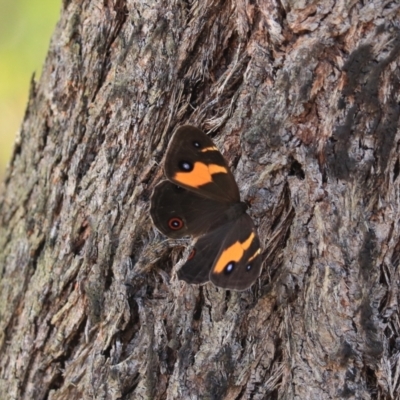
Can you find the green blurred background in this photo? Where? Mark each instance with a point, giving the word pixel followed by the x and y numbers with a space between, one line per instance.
pixel 25 30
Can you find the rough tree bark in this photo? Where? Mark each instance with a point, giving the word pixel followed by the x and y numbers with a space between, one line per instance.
pixel 302 97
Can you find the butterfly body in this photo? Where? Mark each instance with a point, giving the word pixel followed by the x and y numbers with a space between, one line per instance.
pixel 201 199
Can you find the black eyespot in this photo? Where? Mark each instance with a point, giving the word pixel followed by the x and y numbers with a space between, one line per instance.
pixel 185 166
pixel 175 223
pixel 248 267
pixel 197 144
pixel 229 268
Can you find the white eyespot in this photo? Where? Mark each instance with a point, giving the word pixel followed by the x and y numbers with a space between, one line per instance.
pixel 185 166
pixel 229 268
pixel 248 268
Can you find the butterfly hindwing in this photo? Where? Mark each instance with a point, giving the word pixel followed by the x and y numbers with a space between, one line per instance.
pixel 178 212
pixel 205 249
pixel 229 256
pixel 193 162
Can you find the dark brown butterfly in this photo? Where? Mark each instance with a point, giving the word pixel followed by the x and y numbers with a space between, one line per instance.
pixel 201 199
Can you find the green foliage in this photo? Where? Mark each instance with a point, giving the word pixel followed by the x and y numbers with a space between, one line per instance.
pixel 25 30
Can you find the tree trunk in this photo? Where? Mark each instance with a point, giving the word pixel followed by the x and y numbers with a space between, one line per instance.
pixel 302 98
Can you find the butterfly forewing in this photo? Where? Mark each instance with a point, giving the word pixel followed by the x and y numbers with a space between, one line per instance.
pixel 231 263
pixel 194 162
pixel 238 263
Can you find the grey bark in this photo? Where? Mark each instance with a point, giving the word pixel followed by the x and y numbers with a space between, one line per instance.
pixel 302 98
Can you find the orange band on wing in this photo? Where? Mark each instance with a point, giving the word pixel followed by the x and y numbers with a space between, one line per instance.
pixel 217 169
pixel 233 253
pixel 201 174
pixel 212 148
pixel 254 255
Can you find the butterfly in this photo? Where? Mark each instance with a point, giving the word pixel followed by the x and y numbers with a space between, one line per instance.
pixel 201 199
